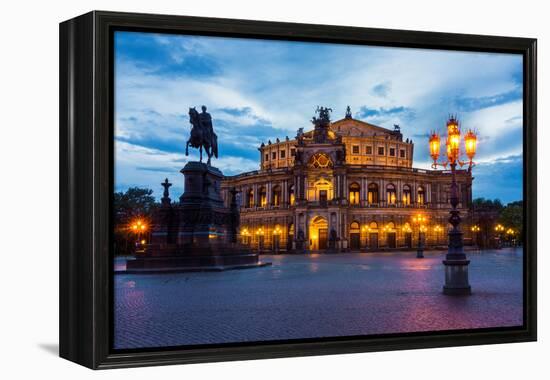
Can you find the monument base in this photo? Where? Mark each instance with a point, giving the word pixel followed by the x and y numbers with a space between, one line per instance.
pixel 197 234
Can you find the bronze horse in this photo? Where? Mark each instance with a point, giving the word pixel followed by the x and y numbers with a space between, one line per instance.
pixel 202 134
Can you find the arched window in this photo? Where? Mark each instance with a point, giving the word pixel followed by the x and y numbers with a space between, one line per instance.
pixel 406 195
pixel 354 227
pixel 372 195
pixel 391 194
pixel 249 198
pixel 354 190
pixel 291 196
pixel 373 226
pixel 263 197
pixel 276 195
pixel 421 199
pixel 390 227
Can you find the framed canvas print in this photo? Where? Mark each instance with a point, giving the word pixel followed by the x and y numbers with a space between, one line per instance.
pixel 238 189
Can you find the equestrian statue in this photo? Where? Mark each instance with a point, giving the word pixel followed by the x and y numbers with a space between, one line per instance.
pixel 202 134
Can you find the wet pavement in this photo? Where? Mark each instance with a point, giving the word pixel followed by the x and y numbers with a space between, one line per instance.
pixel 315 296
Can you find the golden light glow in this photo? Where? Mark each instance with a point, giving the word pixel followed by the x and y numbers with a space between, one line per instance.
pixel 470 143
pixel 277 230
pixel 437 228
pixel 475 228
pixel 510 231
pixel 499 228
pixel 419 219
pixel 260 231
pixel 143 241
pixel 423 228
pixel 245 232
pixel 435 146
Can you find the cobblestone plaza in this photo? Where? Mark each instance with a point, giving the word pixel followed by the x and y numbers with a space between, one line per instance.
pixel 312 296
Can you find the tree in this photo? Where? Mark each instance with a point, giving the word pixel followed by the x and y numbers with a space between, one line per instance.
pixel 135 203
pixel 511 216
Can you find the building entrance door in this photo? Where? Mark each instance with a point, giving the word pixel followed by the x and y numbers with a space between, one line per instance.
pixel 355 241
pixel 276 242
pixel 373 241
pixel 408 239
pixel 323 197
pixel 391 240
pixel 323 238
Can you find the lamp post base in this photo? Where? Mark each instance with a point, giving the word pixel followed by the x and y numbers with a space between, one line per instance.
pixel 456 277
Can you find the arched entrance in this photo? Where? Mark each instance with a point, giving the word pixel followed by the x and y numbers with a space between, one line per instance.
pixel 354 236
pixel 373 236
pixel 391 236
pixel 318 233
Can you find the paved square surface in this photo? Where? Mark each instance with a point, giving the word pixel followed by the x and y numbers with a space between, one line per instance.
pixel 315 296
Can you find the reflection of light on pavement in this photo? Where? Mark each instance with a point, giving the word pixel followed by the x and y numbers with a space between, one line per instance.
pixel 416 265
pixel 314 267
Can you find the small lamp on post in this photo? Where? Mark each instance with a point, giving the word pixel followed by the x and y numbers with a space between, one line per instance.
pixel 456 263
pixel 420 220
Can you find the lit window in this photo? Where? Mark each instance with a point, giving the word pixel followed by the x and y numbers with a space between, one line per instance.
pixel 282 154
pixel 276 196
pixel 372 195
pixel 421 195
pixel 293 152
pixel 368 150
pixel 402 153
pixel 263 197
pixel 392 152
pixel 380 150
pixel 267 157
pixel 273 155
pixel 354 190
pixel 355 149
pixel 406 195
pixel 390 194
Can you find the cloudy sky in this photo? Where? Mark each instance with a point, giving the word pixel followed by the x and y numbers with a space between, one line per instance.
pixel 258 90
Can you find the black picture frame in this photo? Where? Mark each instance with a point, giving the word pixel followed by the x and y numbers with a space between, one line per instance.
pixel 86 184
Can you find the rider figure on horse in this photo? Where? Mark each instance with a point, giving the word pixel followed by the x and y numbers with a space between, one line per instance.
pixel 202 134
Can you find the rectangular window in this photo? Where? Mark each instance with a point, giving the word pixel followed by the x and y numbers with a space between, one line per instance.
pixel 402 153
pixel 282 154
pixel 267 157
pixel 392 152
pixel 355 149
pixel 293 152
pixel 380 150
pixel 273 155
pixel 368 150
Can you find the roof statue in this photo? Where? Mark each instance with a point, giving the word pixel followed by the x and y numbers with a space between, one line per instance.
pixel 348 112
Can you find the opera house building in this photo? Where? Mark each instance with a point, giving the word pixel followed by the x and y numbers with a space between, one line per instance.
pixel 343 186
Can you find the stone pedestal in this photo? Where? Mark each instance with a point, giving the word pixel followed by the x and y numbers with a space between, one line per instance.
pixel 199 232
pixel 456 267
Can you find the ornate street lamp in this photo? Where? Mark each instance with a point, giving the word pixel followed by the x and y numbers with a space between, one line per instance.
pixel 420 220
pixel 456 263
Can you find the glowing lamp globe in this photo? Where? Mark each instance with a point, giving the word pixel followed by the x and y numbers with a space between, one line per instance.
pixel 470 144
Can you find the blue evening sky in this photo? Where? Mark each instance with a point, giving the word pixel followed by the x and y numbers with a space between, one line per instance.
pixel 258 90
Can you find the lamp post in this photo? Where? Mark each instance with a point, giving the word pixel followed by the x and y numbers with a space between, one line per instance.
pixel 420 220
pixel 475 233
pixel 437 230
pixel 456 263
pixel 499 228
pixel 138 227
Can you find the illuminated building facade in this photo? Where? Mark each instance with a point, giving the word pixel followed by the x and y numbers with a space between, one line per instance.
pixel 347 185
